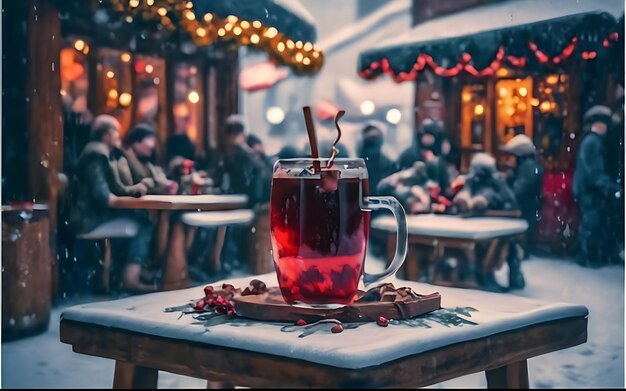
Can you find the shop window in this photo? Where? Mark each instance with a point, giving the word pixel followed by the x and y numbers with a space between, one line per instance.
pixel 513 109
pixel 473 117
pixel 74 81
pixel 550 109
pixel 149 73
pixel 187 108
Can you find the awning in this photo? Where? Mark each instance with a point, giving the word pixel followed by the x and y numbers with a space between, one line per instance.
pixel 282 28
pixel 519 33
pixel 287 16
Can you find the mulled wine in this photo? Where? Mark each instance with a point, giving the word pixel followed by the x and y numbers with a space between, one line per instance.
pixel 319 236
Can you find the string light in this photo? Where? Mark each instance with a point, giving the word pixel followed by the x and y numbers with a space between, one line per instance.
pixel 79 45
pixel 110 74
pixel 208 28
pixel 125 99
pixel 112 94
pixel 193 97
pixel 271 32
pixel 125 57
pixel 149 68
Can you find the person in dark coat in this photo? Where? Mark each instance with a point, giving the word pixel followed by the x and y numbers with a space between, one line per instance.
pixel 97 184
pixel 485 189
pixel 255 143
pixel 378 164
pixel 526 180
pixel 139 150
pixel 244 172
pixel 593 189
pixel 428 149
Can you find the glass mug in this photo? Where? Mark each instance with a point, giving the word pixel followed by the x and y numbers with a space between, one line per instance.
pixel 320 220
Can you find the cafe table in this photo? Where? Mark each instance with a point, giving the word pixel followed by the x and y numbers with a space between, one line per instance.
pixel 474 331
pixel 171 238
pixel 481 241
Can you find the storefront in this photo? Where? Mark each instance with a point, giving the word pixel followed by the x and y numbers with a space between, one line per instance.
pixel 494 71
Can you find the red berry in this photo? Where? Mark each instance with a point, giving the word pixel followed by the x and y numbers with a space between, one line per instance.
pixel 300 322
pixel 382 321
pixel 220 301
pixel 208 290
pixel 199 305
pixel 210 302
pixel 230 312
pixel 337 329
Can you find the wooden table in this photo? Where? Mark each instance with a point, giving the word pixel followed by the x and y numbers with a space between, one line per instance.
pixel 506 331
pixel 482 241
pixel 171 239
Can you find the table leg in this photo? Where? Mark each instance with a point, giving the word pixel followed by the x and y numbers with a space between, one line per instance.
pixel 514 375
pixel 162 236
pixel 128 375
pixel 488 262
pixel 176 273
pixel 216 267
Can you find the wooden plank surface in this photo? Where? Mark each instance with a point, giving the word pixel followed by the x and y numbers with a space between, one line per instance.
pixel 182 202
pixel 245 368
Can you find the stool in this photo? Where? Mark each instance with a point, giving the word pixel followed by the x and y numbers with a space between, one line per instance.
pixel 121 228
pixel 219 220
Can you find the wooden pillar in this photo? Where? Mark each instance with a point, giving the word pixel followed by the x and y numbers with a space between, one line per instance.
pixel 44 117
pixel 223 92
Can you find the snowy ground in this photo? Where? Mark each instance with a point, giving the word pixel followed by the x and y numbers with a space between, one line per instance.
pixel 42 361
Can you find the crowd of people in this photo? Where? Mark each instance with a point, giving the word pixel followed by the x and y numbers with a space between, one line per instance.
pixel 425 179
pixel 109 167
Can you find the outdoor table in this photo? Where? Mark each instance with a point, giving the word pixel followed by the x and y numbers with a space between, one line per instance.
pixel 443 232
pixel 171 241
pixel 506 331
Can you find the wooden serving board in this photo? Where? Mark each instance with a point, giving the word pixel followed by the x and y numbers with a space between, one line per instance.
pixel 270 306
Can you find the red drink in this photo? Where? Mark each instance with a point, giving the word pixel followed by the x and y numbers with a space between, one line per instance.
pixel 319 237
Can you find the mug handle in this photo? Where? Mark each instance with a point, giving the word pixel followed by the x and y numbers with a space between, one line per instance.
pixel 386 202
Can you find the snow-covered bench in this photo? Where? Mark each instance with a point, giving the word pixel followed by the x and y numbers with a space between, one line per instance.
pixel 483 242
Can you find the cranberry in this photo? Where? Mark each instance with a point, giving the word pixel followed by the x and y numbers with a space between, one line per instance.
pixel 208 290
pixel 301 322
pixel 210 302
pixel 220 301
pixel 337 329
pixel 382 321
pixel 199 305
pixel 230 312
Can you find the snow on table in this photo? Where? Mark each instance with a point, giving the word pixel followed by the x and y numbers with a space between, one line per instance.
pixel 475 228
pixel 360 347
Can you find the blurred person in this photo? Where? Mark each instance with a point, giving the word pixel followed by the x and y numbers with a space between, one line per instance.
pixel 429 150
pixel 593 190
pixel 408 187
pixel 244 171
pixel 140 147
pixel 526 180
pixel 485 189
pixel 97 184
pixel 378 164
pixel 255 143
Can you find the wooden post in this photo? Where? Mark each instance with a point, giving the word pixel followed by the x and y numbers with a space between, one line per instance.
pixel 127 376
pixel 513 375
